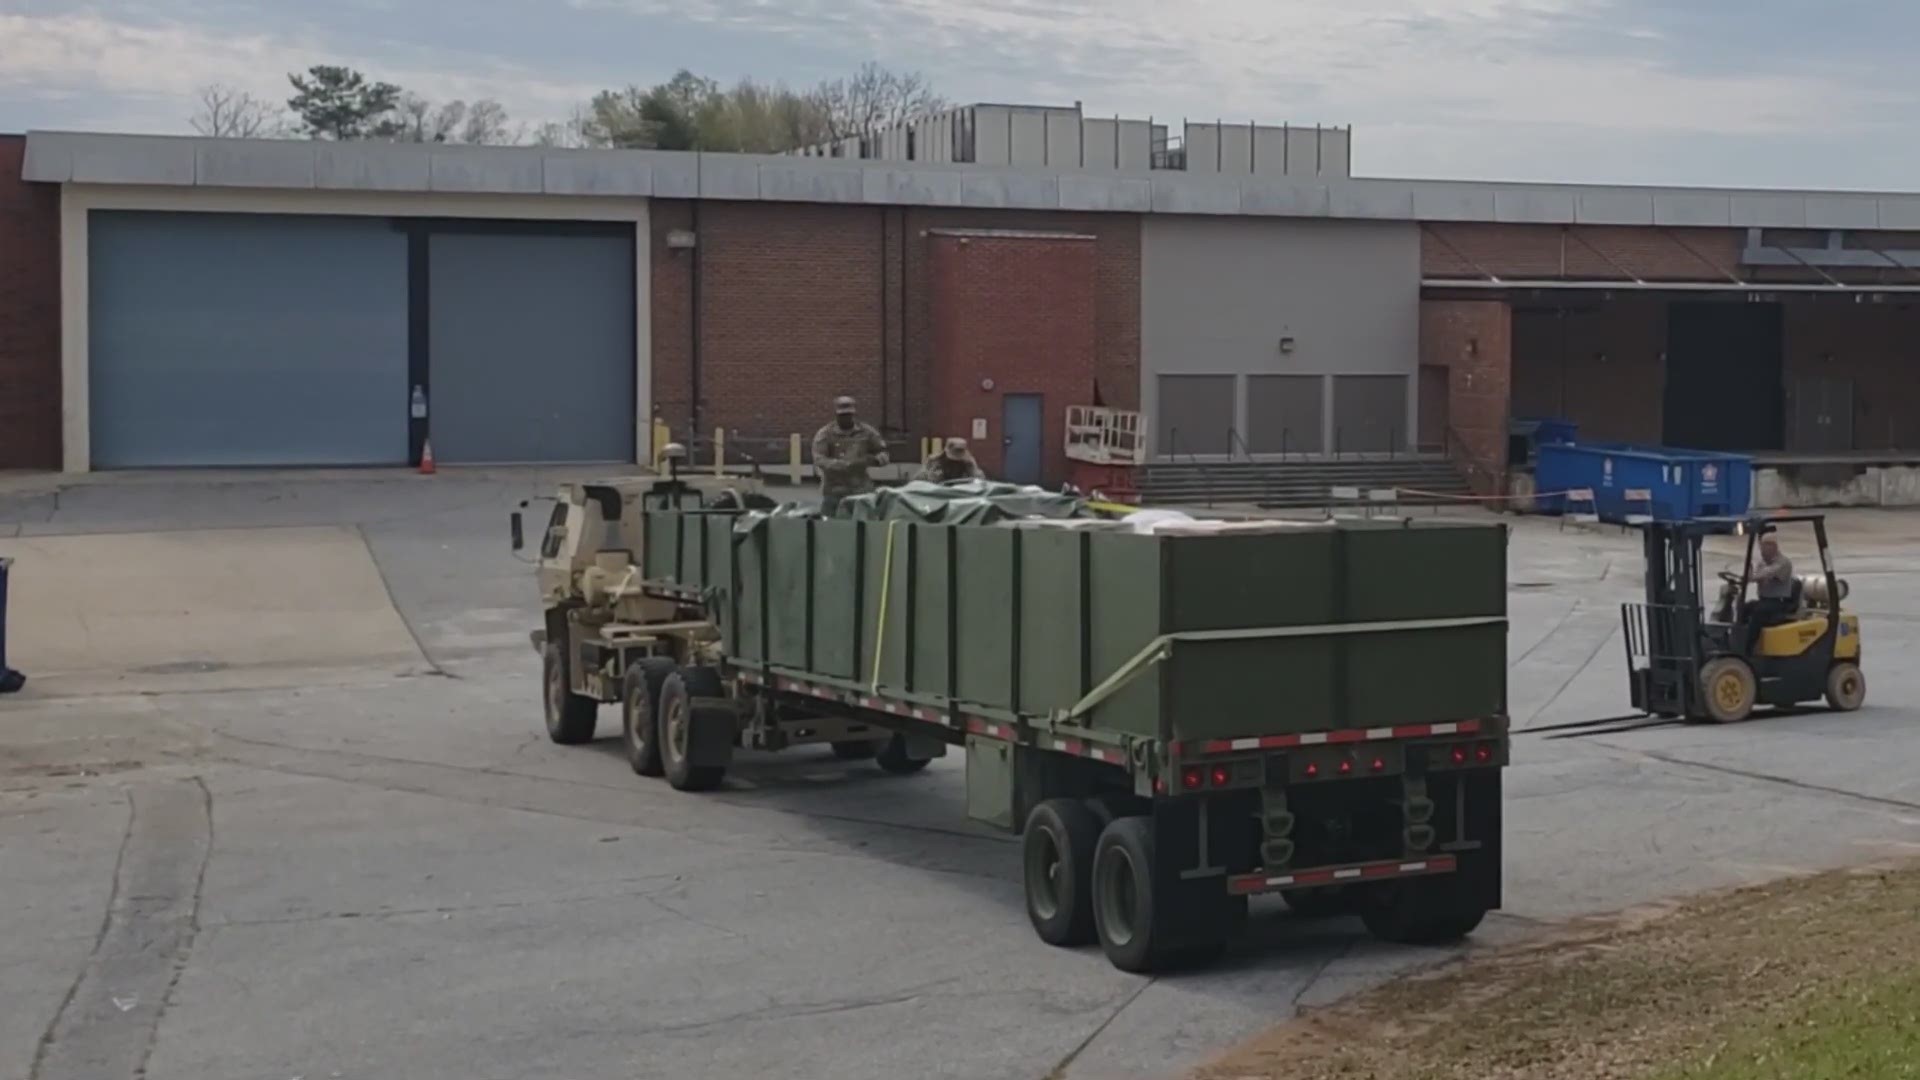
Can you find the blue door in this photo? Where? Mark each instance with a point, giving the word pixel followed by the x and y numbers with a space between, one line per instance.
pixel 1021 428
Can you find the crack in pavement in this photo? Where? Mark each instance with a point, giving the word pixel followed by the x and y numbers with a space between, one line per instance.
pixel 1760 777
pixel 1059 1070
pixel 35 1070
pixel 108 1024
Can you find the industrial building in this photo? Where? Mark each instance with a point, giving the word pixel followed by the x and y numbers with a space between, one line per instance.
pixel 170 302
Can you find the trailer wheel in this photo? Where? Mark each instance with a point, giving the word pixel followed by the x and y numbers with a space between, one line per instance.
pixel 1421 911
pixel 1129 914
pixel 640 712
pixel 1056 855
pixel 1846 687
pixel 571 717
pixel 892 756
pixel 678 723
pixel 853 749
pixel 1728 689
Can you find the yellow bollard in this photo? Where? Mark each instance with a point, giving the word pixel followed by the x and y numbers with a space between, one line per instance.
pixel 793 458
pixel 662 435
pixel 719 451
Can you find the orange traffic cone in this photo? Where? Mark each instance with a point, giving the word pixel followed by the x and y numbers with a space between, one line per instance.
pixel 426 458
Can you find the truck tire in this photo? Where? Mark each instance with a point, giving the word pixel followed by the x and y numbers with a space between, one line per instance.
pixel 1133 929
pixel 1846 687
pixel 892 756
pixel 854 749
pixel 571 717
pixel 1421 911
pixel 678 720
pixel 640 712
pixel 1728 689
pixel 1056 856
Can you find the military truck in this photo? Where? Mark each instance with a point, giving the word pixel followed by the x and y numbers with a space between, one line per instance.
pixel 1174 721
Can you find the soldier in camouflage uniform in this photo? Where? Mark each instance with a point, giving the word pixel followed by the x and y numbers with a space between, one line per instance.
pixel 954 462
pixel 843 451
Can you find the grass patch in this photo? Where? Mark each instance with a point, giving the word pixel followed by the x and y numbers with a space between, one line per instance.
pixel 1871 1033
pixel 1812 977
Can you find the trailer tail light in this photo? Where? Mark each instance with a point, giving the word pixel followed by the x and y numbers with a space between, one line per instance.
pixel 1346 766
pixel 1483 753
pixel 1379 764
pixel 1192 778
pixel 1459 755
pixel 1222 776
pixel 1313 769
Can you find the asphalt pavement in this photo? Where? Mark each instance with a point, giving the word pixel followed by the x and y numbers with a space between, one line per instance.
pixel 379 867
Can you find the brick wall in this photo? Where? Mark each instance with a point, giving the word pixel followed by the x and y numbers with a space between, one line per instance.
pixel 801 303
pixel 1116 269
pixel 1021 312
pixel 1876 347
pixel 1473 339
pixel 29 316
pixel 1600 364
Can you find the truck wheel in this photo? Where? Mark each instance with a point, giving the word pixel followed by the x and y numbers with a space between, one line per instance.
pixel 1728 689
pixel 678 721
pixel 1057 866
pixel 1421 911
pixel 1846 687
pixel 640 712
pixel 571 717
pixel 1320 903
pixel 892 756
pixel 1132 928
pixel 853 749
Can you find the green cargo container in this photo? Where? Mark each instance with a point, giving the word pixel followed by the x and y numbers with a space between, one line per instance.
pixel 1341 625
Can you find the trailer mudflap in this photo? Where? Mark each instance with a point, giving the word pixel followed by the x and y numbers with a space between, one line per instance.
pixel 713 732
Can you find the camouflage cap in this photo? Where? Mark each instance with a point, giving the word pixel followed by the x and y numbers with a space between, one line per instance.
pixel 956 448
pixel 843 404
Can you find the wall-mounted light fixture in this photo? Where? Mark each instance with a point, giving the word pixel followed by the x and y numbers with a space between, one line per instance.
pixel 1287 345
pixel 681 239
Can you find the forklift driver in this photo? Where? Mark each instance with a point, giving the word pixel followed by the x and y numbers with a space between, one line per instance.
pixel 1773 587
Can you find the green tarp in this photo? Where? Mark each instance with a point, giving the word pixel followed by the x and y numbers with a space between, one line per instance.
pixel 971 502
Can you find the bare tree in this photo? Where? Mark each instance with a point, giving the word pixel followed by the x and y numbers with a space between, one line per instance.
pixel 483 123
pixel 874 97
pixel 486 125
pixel 571 133
pixel 415 119
pixel 228 113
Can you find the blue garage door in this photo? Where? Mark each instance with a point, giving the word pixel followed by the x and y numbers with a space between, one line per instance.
pixel 244 339
pixel 531 344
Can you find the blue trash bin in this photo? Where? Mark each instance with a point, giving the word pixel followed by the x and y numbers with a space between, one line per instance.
pixel 10 680
pixel 1720 485
pixel 1610 470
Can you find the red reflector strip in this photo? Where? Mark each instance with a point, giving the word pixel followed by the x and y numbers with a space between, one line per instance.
pixel 1324 738
pixel 1245 884
pixel 1083 748
pixel 877 704
pixel 982 726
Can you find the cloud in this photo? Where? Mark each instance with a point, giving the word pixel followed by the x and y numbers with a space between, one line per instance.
pixel 1726 91
pixel 145 74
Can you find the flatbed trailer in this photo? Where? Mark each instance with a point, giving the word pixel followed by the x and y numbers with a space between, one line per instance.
pixel 1174 723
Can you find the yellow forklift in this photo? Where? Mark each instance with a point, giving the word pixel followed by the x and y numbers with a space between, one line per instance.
pixel 1684 661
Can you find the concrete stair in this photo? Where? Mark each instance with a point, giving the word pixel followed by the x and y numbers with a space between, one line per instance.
pixel 1284 484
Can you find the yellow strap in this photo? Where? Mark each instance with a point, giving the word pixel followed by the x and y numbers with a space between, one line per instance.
pixel 880 627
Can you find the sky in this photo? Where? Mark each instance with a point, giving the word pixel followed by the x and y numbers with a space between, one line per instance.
pixel 1761 93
